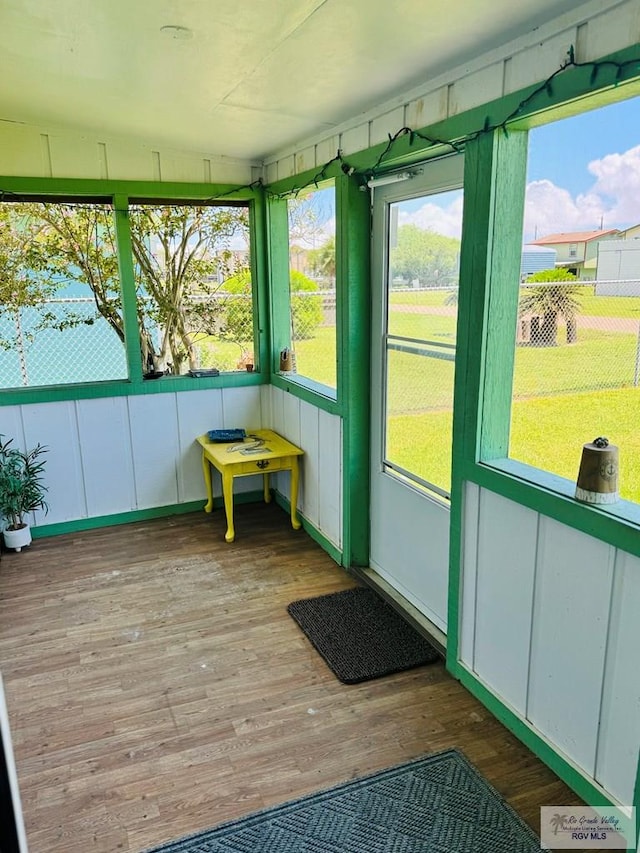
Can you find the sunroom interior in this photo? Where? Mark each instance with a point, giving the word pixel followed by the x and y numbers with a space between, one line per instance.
pixel 253 111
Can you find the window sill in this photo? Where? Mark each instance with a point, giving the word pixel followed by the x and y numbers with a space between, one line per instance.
pixel 321 396
pixel 626 511
pixel 617 524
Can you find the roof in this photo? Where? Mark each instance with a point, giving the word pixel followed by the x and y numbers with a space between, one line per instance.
pixel 573 237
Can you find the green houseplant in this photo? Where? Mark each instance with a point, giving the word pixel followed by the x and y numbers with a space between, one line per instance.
pixel 21 490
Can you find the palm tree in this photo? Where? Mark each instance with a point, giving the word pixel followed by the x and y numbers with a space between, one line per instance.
pixel 553 298
pixel 557 821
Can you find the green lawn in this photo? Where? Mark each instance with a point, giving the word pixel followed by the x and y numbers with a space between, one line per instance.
pixel 547 433
pixel 316 357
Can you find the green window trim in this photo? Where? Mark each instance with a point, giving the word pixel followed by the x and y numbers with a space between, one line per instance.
pixel 118 193
pixel 307 389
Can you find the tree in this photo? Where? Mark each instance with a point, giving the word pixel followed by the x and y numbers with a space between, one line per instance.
pixel 181 255
pixel 430 258
pixel 553 298
pixel 322 261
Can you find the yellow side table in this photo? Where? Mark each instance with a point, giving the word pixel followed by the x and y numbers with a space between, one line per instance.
pixel 261 452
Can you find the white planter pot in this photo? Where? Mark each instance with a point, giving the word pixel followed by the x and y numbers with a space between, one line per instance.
pixel 17 539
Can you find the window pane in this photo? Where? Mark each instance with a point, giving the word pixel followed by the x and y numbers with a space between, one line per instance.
pixel 193 282
pixel 60 306
pixel 577 360
pixel 422 300
pixel 419 413
pixel 312 285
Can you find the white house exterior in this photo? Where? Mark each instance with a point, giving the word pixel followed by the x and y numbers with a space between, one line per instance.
pixel 577 251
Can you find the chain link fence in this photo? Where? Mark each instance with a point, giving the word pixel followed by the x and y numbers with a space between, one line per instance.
pixel 66 341
pixel 577 336
pixel 577 376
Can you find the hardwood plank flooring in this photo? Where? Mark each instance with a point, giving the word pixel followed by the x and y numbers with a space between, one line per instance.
pixel 156 686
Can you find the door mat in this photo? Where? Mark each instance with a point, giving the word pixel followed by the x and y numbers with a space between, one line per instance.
pixel 360 636
pixel 438 803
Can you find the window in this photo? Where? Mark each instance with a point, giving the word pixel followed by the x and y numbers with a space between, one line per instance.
pixel 312 286
pixel 420 337
pixel 573 250
pixel 577 357
pixel 61 316
pixel 62 313
pixel 193 284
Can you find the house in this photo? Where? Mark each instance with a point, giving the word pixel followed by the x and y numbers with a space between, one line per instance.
pixel 577 251
pixel 239 107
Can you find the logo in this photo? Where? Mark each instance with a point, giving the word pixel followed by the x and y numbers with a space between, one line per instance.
pixel 587 827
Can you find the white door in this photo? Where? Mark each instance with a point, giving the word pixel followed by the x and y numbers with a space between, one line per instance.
pixel 416 254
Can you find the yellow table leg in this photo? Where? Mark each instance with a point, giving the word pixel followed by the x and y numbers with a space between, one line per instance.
pixel 227 492
pixel 267 492
pixel 295 476
pixel 206 470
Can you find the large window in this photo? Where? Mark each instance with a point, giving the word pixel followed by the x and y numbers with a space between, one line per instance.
pixel 60 308
pixel 577 360
pixel 193 285
pixel 63 310
pixel 312 286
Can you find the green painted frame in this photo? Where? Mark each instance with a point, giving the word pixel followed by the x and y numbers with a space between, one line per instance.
pixel 353 216
pixel 278 252
pixel 495 173
pixel 120 192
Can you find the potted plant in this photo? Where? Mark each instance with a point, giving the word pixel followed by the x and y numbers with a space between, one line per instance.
pixel 21 490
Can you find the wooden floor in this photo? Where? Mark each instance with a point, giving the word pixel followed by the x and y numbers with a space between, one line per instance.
pixel 157 686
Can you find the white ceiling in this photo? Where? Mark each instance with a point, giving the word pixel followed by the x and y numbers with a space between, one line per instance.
pixel 254 75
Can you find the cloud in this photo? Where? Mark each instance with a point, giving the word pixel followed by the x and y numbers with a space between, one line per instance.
pixel 618 178
pixel 612 201
pixel 445 220
pixel 549 209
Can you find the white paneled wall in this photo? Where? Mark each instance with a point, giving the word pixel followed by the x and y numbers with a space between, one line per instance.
pixel 115 455
pixel 50 153
pixel 319 434
pixel 595 29
pixel 549 622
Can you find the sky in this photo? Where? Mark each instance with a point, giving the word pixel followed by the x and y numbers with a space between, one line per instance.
pixel 582 172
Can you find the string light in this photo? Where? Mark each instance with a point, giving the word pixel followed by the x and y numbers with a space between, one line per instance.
pixel 457 145
pixel 364 175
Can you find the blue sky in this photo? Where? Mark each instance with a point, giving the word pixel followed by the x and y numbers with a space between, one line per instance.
pixel 562 150
pixel 582 171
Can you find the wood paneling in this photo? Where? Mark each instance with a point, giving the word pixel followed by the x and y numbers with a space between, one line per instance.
pixel 55 425
pixel 72 154
pixel 319 434
pixel 506 569
pixel 310 477
pixel 549 623
pixel 105 450
pixel 469 581
pixel 330 482
pixel 153 422
pixel 571 607
pixel 157 686
pixel 198 412
pixel 620 720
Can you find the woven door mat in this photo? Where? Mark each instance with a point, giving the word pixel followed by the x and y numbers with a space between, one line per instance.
pixel 360 636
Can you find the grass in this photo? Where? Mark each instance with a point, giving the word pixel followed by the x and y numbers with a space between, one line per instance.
pixel 316 357
pixel 547 433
